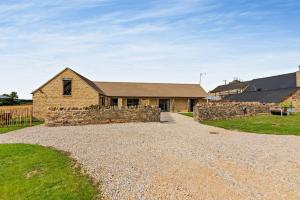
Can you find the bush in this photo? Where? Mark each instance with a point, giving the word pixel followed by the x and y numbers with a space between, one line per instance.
pixel 286 105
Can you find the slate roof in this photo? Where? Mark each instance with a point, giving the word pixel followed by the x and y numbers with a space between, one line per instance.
pixel 274 89
pixel 129 89
pixel 269 96
pixel 273 83
pixel 231 86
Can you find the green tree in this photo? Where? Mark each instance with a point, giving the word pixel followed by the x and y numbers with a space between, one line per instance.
pixel 11 100
pixel 14 96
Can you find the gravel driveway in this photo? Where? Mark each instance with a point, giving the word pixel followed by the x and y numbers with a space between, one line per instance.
pixel 177 159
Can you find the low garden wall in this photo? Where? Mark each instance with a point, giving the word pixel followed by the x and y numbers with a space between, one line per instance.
pixel 95 115
pixel 227 110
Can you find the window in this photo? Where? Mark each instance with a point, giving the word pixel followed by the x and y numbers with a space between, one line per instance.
pixel 67 87
pixel 114 102
pixel 102 101
pixel 132 102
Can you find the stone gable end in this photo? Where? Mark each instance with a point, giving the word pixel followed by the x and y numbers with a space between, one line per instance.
pixel 298 79
pixel 295 99
pixel 51 94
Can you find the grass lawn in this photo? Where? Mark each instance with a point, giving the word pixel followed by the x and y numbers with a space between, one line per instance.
pixel 35 172
pixel 13 128
pixel 268 124
pixel 189 114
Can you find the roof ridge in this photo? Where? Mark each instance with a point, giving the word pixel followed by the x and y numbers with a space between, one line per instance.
pixel 235 83
pixel 270 90
pixel 145 82
pixel 275 76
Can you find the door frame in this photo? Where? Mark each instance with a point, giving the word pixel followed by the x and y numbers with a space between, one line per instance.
pixel 166 102
pixel 192 103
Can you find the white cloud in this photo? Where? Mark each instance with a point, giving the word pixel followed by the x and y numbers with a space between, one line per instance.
pixel 169 41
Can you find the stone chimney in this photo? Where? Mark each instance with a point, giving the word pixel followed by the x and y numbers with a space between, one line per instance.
pixel 298 77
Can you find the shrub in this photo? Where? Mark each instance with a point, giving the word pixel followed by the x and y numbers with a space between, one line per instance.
pixel 286 105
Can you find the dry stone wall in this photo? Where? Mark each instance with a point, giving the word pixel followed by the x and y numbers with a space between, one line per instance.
pixel 95 115
pixel 227 110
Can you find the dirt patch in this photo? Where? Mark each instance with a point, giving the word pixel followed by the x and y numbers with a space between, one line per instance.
pixel 33 173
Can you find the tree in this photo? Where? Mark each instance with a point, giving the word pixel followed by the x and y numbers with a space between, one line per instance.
pixel 14 96
pixel 11 100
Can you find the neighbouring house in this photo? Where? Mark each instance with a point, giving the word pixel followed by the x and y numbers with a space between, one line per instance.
pixel 5 100
pixel 70 89
pixel 4 97
pixel 234 87
pixel 274 89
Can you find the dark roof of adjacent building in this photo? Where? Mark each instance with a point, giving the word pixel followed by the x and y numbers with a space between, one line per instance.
pixel 273 83
pixel 274 89
pixel 129 89
pixel 235 85
pixel 268 96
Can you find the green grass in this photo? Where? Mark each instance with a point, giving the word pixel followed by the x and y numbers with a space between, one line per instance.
pixel 13 128
pixel 188 114
pixel 266 124
pixel 33 172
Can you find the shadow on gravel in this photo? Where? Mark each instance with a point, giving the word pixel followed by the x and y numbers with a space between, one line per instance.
pixel 166 117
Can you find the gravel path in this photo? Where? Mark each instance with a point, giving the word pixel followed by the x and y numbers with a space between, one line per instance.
pixel 177 159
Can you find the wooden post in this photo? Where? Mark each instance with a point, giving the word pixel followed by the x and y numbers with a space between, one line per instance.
pixel 30 117
pixel 173 104
pixel 120 102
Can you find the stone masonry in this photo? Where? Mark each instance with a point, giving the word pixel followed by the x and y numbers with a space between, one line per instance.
pixel 96 115
pixel 295 100
pixel 51 95
pixel 227 110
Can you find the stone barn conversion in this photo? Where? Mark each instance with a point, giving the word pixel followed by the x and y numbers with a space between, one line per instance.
pixel 70 89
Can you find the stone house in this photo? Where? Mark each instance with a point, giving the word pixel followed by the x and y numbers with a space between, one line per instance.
pixel 234 87
pixel 70 89
pixel 4 97
pixel 274 89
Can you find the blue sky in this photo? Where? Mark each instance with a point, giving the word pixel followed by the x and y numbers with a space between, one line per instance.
pixel 146 41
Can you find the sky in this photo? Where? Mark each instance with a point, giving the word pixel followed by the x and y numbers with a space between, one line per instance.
pixel 146 40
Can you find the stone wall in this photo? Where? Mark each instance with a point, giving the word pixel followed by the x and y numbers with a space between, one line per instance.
pixel 227 110
pixel 94 115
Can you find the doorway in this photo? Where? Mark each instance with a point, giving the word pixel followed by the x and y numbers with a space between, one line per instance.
pixel 164 105
pixel 193 102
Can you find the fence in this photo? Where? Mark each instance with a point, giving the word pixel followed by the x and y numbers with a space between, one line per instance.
pixel 15 116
